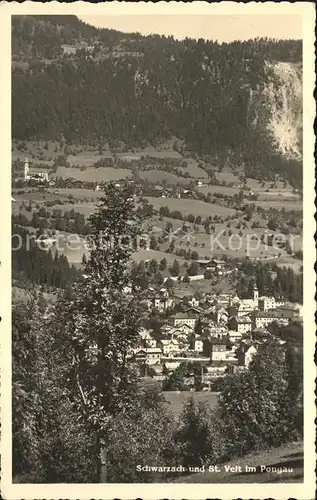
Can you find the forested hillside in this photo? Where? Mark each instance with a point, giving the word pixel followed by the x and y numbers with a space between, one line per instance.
pixel 238 103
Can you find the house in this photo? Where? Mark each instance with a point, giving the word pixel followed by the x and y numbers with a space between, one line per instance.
pixel 149 342
pixel 245 354
pixel 197 344
pixel 162 303
pixel 242 325
pixel 183 329
pixel 290 310
pixel 164 292
pixel 127 290
pixel 171 366
pixel 223 299
pixel 144 334
pixel 249 305
pixel 193 310
pixel 168 346
pixel 264 318
pixel 189 383
pixel 167 330
pixel 194 302
pixel 180 319
pixel 215 370
pixel 232 311
pixel 221 315
pixel 215 349
pixel 217 331
pixel 149 355
pixel 266 303
pixel 234 336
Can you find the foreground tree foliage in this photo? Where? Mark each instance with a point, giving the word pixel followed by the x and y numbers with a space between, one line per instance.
pixel 79 411
pixel 254 406
pixel 49 442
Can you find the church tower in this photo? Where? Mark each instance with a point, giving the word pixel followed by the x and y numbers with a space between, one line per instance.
pixel 26 170
pixel 256 295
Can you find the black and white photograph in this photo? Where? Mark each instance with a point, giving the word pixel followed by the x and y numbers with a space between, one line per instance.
pixel 160 250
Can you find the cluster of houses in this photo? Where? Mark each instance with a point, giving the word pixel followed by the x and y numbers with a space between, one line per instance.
pixel 221 332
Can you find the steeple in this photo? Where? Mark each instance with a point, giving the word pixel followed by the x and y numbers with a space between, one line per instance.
pixel 26 169
pixel 255 293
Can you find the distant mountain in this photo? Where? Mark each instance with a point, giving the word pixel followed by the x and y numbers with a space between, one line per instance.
pixel 238 103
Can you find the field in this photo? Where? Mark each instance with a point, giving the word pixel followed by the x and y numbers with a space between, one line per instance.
pixel 83 208
pixel 228 191
pixel 169 153
pixel 155 254
pixel 193 170
pixel 290 456
pixel 240 243
pixel 87 158
pixel 287 205
pixel 195 207
pixel 79 193
pixel 91 174
pixel 176 399
pixel 155 176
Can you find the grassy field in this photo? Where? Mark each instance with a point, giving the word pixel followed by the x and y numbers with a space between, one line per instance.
pixel 290 456
pixel 136 155
pixel 93 174
pixel 228 191
pixel 79 194
pixel 87 158
pixel 154 176
pixel 176 399
pixel 195 207
pixel 155 254
pixel 84 208
pixel 287 205
pixel 193 170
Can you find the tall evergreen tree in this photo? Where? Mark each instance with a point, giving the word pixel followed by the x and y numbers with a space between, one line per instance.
pixel 101 323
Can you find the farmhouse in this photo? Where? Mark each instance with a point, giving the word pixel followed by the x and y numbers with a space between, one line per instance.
pixel 168 346
pixel 197 344
pixel 263 318
pixel 194 302
pixel 162 303
pixel 149 355
pixel 242 325
pixel 245 354
pixel 180 319
pixel 266 303
pixel 215 349
pixel 249 305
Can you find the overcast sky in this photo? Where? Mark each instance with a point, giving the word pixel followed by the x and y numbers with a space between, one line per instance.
pixel 215 27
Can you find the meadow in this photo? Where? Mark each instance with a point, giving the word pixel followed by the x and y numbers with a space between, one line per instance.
pixel 189 206
pixel 193 170
pixel 287 205
pixel 92 174
pixel 176 399
pixel 159 176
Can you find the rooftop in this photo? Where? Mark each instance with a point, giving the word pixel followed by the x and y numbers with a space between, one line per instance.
pixel 181 315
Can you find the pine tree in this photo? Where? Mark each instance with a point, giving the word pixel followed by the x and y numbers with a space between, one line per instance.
pixel 101 323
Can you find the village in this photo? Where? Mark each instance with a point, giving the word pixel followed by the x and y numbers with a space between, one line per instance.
pixel 219 332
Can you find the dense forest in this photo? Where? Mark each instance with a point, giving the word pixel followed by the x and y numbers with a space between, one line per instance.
pixel 113 88
pixel 32 265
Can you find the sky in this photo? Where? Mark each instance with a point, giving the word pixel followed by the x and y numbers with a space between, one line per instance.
pixel 214 27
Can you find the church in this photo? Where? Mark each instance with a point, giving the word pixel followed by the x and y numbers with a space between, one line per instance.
pixel 35 176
